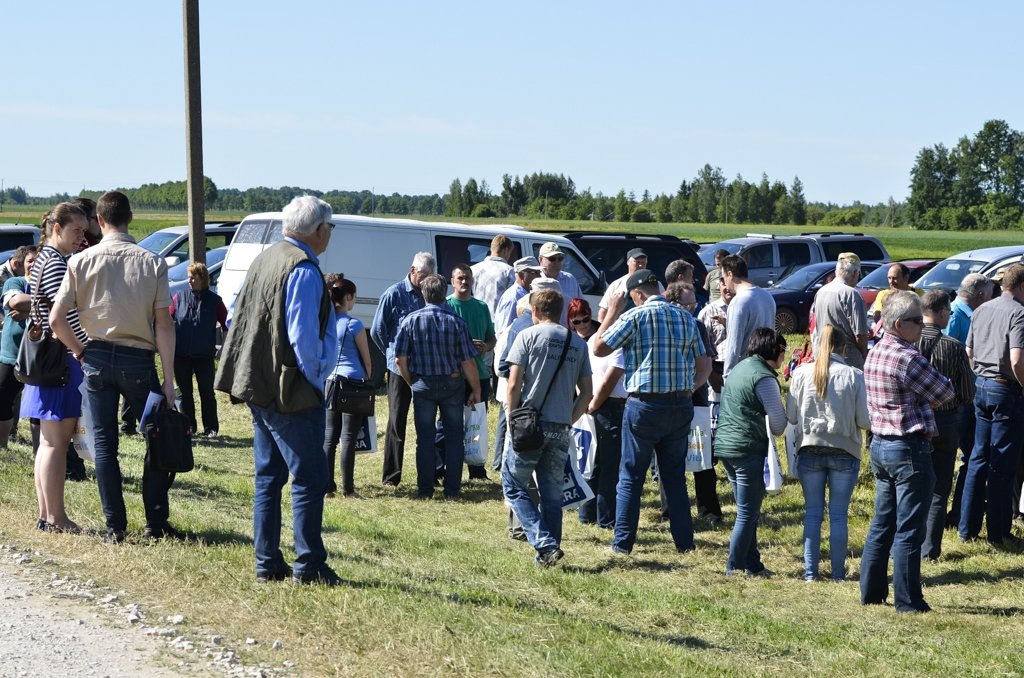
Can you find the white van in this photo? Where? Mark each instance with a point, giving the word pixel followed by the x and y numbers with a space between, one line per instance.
pixel 376 253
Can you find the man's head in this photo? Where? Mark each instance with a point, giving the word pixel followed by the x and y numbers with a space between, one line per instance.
pixel 720 255
pixel 434 288
pixel 848 268
pixel 114 211
pixel 935 308
pixel 502 247
pixel 18 259
pixel 727 294
pixel 422 265
pixel 462 281
pixel 308 220
pixel 682 294
pixel 975 289
pixel 546 305
pixel 641 285
pixel 680 270
pixel 899 277
pixel 526 270
pixel 903 315
pixel 734 270
pixel 1013 281
pixel 552 258
pixel 636 259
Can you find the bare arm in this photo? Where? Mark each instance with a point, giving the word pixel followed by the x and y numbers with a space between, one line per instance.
pixel 62 328
pixel 611 377
pixel 585 390
pixel 1017 363
pixel 970 357
pixel 403 368
pixel 702 371
pixel 862 344
pixel 618 303
pixel 473 377
pixel 165 347
pixel 514 393
pixel 364 354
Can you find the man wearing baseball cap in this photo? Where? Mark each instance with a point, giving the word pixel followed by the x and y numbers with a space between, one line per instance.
pixel 526 270
pixel 636 259
pixel 665 363
pixel 838 304
pixel 552 259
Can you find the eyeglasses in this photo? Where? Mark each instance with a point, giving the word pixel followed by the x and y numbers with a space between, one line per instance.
pixel 580 321
pixel 917 320
pixel 329 225
pixel 555 257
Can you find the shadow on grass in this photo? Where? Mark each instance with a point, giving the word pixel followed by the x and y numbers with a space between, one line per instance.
pixel 224 442
pixel 951 577
pixel 218 537
pixel 989 611
pixel 196 490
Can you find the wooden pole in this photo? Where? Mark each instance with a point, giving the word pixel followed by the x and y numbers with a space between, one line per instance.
pixel 194 135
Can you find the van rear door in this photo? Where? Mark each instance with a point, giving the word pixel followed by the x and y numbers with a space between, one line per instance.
pixel 253 236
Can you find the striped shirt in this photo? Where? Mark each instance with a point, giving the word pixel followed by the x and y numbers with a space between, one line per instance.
pixel 902 389
pixel 949 357
pixel 661 346
pixel 435 340
pixel 491 277
pixel 53 265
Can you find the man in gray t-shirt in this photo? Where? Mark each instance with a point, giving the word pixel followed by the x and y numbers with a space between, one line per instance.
pixel 752 307
pixel 995 346
pixel 534 365
pixel 838 304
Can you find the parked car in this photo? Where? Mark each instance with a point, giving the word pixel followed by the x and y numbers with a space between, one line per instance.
pixel 871 285
pixel 794 294
pixel 607 251
pixel 991 262
pixel 13 236
pixel 772 257
pixel 172 243
pixel 177 275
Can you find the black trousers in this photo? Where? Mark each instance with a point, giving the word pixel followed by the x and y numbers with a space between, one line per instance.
pixel 203 368
pixel 399 400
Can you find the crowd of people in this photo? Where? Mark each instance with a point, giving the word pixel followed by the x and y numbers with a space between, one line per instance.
pixel 920 381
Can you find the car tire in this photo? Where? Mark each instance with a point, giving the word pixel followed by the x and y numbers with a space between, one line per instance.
pixel 785 321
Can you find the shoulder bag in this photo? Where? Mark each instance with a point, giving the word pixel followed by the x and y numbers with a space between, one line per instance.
pixel 524 422
pixel 42 358
pixel 168 441
pixel 347 395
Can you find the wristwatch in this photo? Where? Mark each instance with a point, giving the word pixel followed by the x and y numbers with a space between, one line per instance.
pixel 81 354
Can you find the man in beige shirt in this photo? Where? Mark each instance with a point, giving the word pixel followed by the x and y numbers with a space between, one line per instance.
pixel 120 291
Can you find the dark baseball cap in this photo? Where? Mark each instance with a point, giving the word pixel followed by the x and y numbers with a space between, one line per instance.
pixel 642 277
pixel 635 253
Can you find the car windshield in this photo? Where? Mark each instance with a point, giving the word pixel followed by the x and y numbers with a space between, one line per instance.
pixel 878 279
pixel 707 255
pixel 158 242
pixel 798 279
pixel 949 274
pixel 180 272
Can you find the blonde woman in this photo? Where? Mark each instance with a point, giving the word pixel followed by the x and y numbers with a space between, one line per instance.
pixel 828 404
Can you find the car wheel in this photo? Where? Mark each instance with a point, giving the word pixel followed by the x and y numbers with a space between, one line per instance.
pixel 785 321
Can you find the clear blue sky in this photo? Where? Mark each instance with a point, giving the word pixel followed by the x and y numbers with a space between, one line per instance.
pixel 405 96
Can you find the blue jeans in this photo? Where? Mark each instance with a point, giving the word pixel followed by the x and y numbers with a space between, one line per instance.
pixel 447 394
pixel 746 475
pixel 601 509
pixel 109 372
pixel 839 473
pixel 944 448
pixel 904 479
pixel 543 525
pixel 283 444
pixel 652 427
pixel 988 489
pixel 499 438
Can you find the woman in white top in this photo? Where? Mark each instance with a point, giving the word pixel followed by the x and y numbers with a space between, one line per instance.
pixel 828 405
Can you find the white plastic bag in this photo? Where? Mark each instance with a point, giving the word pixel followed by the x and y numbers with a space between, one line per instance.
pixel 698 442
pixel 476 434
pixel 772 468
pixel 82 436
pixel 367 440
pixel 584 435
pixel 792 470
pixel 575 489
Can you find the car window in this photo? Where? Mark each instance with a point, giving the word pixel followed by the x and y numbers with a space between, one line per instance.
pixel 455 249
pixel 252 232
pixel 12 241
pixel 759 256
pixel 217 240
pixel 573 264
pixel 799 279
pixel 707 255
pixel 876 280
pixel 158 242
pixel 997 272
pixel 863 248
pixel 793 254
pixel 948 274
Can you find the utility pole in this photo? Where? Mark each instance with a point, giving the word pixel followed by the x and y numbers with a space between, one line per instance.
pixel 194 135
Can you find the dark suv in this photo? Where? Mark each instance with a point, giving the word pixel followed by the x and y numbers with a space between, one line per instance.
pixel 607 250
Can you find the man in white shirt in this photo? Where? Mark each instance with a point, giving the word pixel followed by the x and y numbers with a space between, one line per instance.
pixel 552 259
pixel 636 260
pixel 494 275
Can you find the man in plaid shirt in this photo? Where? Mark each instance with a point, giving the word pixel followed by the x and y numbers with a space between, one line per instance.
pixel 665 362
pixel 436 357
pixel 903 388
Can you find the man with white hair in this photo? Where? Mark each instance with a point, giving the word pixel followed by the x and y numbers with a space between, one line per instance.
pixel 838 304
pixel 552 259
pixel 277 356
pixel 903 389
pixel 398 301
pixel 975 289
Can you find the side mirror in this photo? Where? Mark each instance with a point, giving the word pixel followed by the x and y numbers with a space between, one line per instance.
pixel 172 261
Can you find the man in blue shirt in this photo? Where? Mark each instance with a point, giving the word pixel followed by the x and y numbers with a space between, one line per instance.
pixel 436 357
pixel 281 376
pixel 398 301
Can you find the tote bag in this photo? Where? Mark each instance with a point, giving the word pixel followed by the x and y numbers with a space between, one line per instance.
pixel 698 442
pixel 772 468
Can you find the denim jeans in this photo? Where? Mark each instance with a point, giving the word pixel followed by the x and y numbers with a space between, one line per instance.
pixel 109 372
pixel 944 448
pixel 601 509
pixel 543 524
pixel 499 438
pixel 203 368
pixel 997 442
pixel 839 473
pixel 904 479
pixel 746 475
pixel 654 427
pixel 967 424
pixel 286 444
pixel 447 394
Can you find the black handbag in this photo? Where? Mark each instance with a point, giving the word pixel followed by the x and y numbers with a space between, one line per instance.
pixel 42 358
pixel 350 396
pixel 168 441
pixel 524 422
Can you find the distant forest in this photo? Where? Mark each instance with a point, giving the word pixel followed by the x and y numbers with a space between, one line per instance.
pixel 978 184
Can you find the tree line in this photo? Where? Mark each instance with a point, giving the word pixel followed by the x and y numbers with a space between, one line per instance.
pixel 976 184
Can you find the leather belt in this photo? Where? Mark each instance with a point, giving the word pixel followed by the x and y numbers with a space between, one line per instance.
pixel 662 396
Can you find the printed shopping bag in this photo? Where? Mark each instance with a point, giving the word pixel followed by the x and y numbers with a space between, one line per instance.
pixel 366 442
pixel 772 468
pixel 791 448
pixel 698 443
pixel 575 490
pixel 584 435
pixel 475 437
pixel 82 435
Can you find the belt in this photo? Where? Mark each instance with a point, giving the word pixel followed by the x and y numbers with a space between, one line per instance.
pixel 671 395
pixel 1004 381
pixel 119 348
pixel 614 400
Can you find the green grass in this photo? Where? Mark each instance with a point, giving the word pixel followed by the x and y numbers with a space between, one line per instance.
pixel 438 588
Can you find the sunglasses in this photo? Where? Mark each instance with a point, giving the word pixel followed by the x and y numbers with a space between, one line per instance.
pixel 556 257
pixel 580 321
pixel 917 320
